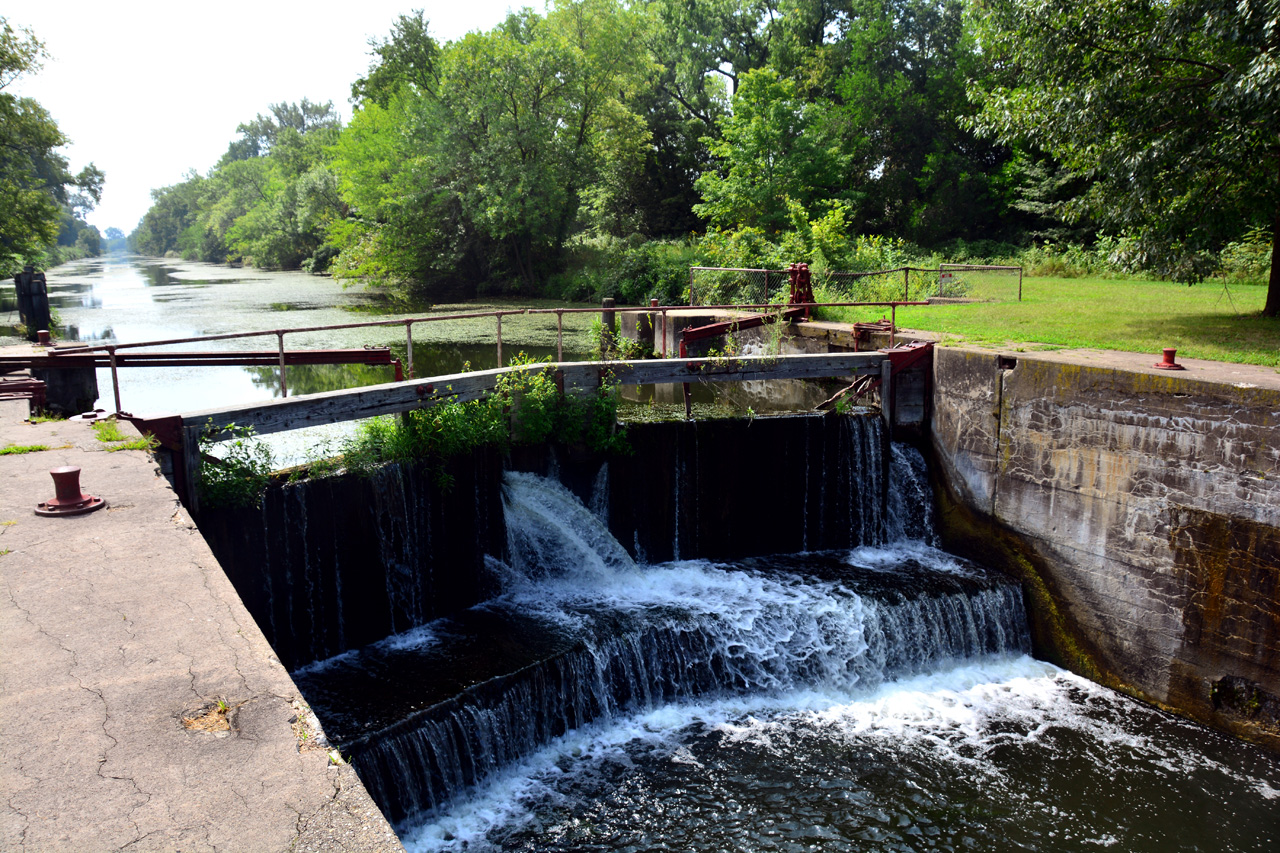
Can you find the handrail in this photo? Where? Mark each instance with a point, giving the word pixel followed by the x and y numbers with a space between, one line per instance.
pixel 408 323
pixel 471 315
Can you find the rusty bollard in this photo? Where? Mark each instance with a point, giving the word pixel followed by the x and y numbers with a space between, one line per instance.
pixel 1169 363
pixel 69 500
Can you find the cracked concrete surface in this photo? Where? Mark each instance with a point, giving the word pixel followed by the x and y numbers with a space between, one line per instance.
pixel 113 626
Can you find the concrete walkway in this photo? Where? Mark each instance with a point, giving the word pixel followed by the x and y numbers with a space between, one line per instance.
pixel 140 706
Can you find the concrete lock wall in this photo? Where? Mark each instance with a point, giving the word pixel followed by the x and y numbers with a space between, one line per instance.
pixel 1142 509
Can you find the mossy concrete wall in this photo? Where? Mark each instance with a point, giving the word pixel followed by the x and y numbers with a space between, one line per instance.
pixel 1142 508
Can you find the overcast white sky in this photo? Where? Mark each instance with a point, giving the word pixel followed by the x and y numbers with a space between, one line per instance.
pixel 149 90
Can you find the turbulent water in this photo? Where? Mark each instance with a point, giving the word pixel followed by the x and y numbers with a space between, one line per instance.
pixel 881 698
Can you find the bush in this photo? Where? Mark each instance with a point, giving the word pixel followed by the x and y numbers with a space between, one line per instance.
pixel 629 271
pixel 526 408
pixel 240 477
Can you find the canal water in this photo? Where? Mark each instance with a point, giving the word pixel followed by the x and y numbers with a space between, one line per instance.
pixel 129 299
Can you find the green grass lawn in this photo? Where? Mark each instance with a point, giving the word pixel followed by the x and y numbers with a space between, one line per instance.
pixel 1131 315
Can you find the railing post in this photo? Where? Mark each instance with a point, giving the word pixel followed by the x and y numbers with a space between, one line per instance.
pixel 1020 283
pixel 607 324
pixel 893 325
pixel 499 340
pixel 664 332
pixel 559 336
pixel 408 342
pixel 284 386
pixel 115 377
pixel 906 284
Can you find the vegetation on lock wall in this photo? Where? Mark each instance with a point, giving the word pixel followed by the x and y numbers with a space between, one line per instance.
pixel 602 147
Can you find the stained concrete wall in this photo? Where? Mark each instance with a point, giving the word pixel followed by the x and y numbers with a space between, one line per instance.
pixel 1142 507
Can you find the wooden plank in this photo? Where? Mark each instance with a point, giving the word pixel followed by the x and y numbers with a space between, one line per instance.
pixel 190 461
pixel 370 401
pixel 748 368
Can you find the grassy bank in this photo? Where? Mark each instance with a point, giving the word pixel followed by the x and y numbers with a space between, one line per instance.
pixel 1120 314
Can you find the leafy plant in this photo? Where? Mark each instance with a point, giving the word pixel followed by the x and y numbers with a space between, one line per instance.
pixel 525 408
pixel 240 476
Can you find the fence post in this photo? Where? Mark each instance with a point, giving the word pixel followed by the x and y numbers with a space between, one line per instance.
pixel 906 284
pixel 607 322
pixel 499 340
pixel 284 387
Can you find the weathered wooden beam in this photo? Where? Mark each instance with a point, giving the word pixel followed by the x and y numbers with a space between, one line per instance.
pixel 370 401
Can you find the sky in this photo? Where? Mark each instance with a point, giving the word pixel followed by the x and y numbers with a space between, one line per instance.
pixel 148 91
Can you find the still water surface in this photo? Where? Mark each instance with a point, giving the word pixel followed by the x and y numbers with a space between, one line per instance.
pixel 130 299
pixel 127 299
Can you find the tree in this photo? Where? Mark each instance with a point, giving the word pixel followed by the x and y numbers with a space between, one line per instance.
pixel 407 58
pixel 482 176
pixel 36 187
pixel 774 151
pixel 258 136
pixel 1170 107
pixel 902 94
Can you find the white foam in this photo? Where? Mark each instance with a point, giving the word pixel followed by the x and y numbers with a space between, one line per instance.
pixel 904 709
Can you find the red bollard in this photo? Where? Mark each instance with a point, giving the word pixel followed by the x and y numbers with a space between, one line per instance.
pixel 1169 363
pixel 70 500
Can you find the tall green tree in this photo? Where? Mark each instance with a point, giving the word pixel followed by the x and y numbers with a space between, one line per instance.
pixel 406 59
pixel 922 175
pixel 485 175
pixel 775 150
pixel 37 189
pixel 1170 107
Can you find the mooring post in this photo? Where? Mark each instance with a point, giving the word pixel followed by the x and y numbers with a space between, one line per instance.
pixel 33 301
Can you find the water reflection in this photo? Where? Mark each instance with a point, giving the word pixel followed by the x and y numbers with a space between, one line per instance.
pixel 126 298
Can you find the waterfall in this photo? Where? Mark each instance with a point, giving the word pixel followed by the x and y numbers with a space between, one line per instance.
pixel 586 634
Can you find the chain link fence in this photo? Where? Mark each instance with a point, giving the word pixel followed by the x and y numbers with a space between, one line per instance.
pixel 980 282
pixel 725 286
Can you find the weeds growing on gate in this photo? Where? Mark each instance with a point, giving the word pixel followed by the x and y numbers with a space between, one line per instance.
pixel 526 408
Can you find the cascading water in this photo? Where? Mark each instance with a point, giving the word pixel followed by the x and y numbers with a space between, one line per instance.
pixel 875 698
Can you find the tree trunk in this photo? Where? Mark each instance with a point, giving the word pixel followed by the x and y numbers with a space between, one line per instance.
pixel 1272 308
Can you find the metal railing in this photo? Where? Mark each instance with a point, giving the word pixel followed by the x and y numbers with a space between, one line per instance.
pixel 408 322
